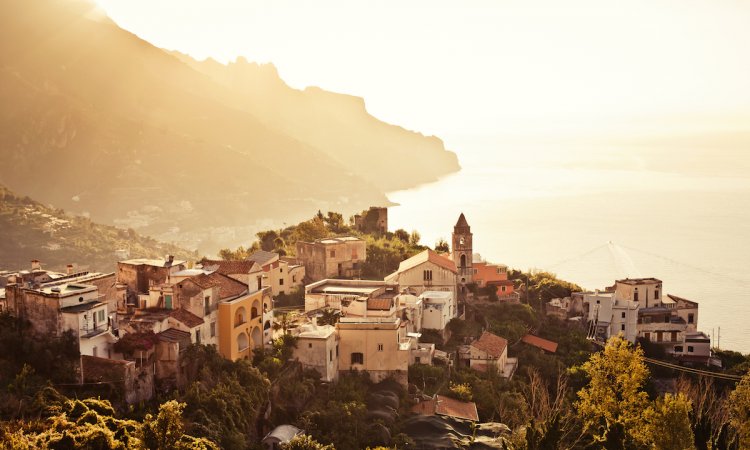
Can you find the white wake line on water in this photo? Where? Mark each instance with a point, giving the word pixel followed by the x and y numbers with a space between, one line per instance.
pixel 626 265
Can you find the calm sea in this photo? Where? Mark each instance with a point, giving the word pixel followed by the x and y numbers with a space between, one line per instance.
pixel 591 220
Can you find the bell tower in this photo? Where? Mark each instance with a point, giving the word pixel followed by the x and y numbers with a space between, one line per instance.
pixel 462 250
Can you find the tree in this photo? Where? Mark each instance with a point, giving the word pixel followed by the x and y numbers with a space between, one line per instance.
pixel 164 431
pixel 613 403
pixel 304 442
pixel 402 235
pixel 329 316
pixel 739 411
pixel 335 222
pixel 461 391
pixel 311 230
pixel 669 423
pixel 441 246
pixel 268 240
pixel 414 238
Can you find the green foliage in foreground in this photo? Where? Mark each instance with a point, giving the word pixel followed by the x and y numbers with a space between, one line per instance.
pixel 91 423
pixel 224 398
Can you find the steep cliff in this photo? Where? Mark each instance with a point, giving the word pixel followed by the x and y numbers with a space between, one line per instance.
pixel 94 119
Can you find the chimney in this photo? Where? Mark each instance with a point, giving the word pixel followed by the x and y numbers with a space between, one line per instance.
pixel 69 268
pixel 169 260
pixel 36 264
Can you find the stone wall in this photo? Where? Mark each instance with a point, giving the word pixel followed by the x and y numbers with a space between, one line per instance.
pixel 136 384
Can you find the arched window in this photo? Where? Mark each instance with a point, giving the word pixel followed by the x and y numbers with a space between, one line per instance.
pixel 242 342
pixel 257 337
pixel 255 310
pixel 463 261
pixel 240 316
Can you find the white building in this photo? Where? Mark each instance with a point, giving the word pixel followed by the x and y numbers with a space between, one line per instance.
pixel 437 309
pixel 318 348
pixel 427 271
pixel 608 316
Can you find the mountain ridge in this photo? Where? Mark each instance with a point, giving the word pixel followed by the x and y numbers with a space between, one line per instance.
pixel 97 121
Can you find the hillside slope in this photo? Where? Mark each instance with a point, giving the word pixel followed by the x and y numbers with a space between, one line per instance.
pixel 94 119
pixel 32 230
pixel 396 158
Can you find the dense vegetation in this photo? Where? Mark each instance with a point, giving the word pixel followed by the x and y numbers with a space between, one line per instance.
pixel 574 398
pixel 33 230
pixel 384 250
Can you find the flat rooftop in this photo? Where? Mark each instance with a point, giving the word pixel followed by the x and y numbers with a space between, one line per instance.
pixel 64 290
pixel 436 294
pixel 356 287
pixel 152 262
pixel 635 281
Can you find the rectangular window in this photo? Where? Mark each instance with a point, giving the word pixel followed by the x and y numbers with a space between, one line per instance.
pixel 502 288
pixel 198 336
pixel 358 358
pixel 309 345
pixel 417 360
pixel 691 318
pixel 656 294
pixel 333 253
pixel 380 347
pixel 622 327
pixel 168 301
pixel 213 329
pixel 281 282
pixel 623 314
pixel 678 349
pixel 427 275
pixel 207 305
pixel 330 355
pixel 690 349
pixel 101 315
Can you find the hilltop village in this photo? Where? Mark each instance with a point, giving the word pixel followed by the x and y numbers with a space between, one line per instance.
pixel 134 328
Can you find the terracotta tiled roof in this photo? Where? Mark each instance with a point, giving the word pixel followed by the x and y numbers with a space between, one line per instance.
pixel 493 344
pixel 174 335
pixel 446 406
pixel 203 281
pixel 186 317
pixel 427 255
pixel 382 304
pixel 230 267
pixel 544 344
pixel 263 257
pixel 680 299
pixel 228 287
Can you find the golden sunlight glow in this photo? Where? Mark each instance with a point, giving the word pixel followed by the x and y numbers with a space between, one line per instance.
pixel 482 67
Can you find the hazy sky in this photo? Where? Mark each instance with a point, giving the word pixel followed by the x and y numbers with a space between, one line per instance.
pixel 467 68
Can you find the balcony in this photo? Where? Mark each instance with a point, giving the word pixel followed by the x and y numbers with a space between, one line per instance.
pixel 90 332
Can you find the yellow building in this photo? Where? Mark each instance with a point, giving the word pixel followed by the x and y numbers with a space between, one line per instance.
pixel 240 325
